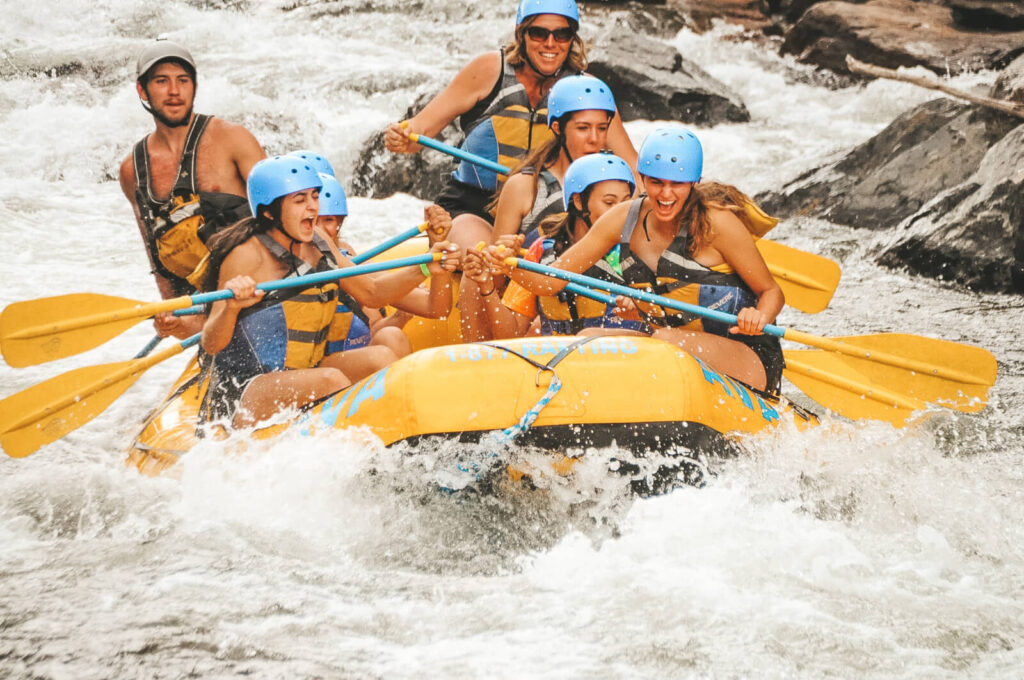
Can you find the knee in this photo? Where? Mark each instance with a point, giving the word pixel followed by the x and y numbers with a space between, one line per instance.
pixel 332 380
pixel 395 340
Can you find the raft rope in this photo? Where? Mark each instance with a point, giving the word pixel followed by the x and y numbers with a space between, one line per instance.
pixel 473 471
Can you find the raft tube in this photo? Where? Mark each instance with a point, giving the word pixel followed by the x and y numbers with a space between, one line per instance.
pixel 557 393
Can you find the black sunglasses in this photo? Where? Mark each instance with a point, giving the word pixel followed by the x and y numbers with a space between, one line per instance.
pixel 562 35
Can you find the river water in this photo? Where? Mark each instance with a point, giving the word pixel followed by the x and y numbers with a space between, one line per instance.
pixel 853 550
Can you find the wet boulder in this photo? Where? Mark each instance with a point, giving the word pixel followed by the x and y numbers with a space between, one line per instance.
pixel 972 233
pixel 989 15
pixel 380 173
pixel 891 176
pixel 894 33
pixel 653 81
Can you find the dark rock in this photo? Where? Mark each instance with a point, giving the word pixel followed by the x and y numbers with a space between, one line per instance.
pixel 988 15
pixel 894 33
pixel 652 81
pixel 380 173
pixel 972 233
pixel 1010 83
pixel 1009 87
pixel 888 178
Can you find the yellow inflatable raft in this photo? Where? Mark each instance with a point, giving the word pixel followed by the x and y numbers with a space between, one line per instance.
pixel 554 392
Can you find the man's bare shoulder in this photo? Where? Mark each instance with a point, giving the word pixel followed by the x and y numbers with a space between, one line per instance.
pixel 226 131
pixel 126 176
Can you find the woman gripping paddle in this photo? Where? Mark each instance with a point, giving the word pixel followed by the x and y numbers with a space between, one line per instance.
pixel 269 351
pixel 500 99
pixel 685 240
pixel 580 111
pixel 593 185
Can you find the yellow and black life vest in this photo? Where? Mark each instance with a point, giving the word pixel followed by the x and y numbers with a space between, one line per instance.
pixel 567 313
pixel 682 278
pixel 177 229
pixel 503 128
pixel 288 328
pixel 547 202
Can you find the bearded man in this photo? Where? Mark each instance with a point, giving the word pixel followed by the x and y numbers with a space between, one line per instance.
pixel 184 180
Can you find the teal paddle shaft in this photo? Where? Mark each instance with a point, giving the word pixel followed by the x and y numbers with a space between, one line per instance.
pixel 320 277
pixel 459 153
pixel 715 315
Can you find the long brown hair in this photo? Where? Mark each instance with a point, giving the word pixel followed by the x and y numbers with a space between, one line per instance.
pixel 705 195
pixel 515 52
pixel 227 239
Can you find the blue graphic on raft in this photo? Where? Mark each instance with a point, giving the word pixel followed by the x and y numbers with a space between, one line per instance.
pixel 371 388
pixel 737 391
pixel 539 349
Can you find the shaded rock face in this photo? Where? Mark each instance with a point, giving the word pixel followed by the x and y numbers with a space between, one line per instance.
pixel 989 15
pixel 380 173
pixel 662 85
pixel 888 178
pixel 972 233
pixel 895 33
pixel 650 80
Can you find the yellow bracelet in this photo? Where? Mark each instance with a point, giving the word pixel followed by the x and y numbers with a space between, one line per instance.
pixel 424 269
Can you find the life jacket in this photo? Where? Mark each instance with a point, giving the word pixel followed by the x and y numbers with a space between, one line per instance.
pixel 350 327
pixel 503 128
pixel 548 201
pixel 568 313
pixel 177 228
pixel 682 278
pixel 288 328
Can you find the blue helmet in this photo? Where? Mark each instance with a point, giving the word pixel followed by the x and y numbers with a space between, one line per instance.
pixel 318 161
pixel 672 154
pixel 579 93
pixel 593 168
pixel 332 196
pixel 565 8
pixel 279 176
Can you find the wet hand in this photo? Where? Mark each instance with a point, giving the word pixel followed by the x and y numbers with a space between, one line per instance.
pixel 750 321
pixel 245 292
pixel 474 267
pixel 625 308
pixel 396 139
pixel 451 258
pixel 439 223
pixel 181 327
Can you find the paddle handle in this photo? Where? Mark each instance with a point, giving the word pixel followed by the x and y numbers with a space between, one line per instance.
pixel 458 153
pixel 321 277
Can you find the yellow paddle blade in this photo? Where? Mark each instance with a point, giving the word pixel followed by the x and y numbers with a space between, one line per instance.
pixel 46 412
pixel 830 381
pixel 934 371
pixel 37 331
pixel 951 374
pixel 808 281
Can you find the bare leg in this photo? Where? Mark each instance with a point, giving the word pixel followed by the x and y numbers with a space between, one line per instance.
pixel 467 231
pixel 361 362
pixel 394 339
pixel 273 392
pixel 727 356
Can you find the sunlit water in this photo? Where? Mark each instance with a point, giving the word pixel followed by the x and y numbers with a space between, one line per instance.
pixel 854 550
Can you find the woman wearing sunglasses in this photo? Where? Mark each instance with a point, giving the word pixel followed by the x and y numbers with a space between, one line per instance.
pixel 500 99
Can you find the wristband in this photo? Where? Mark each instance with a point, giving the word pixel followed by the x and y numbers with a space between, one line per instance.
pixel 490 292
pixel 424 269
